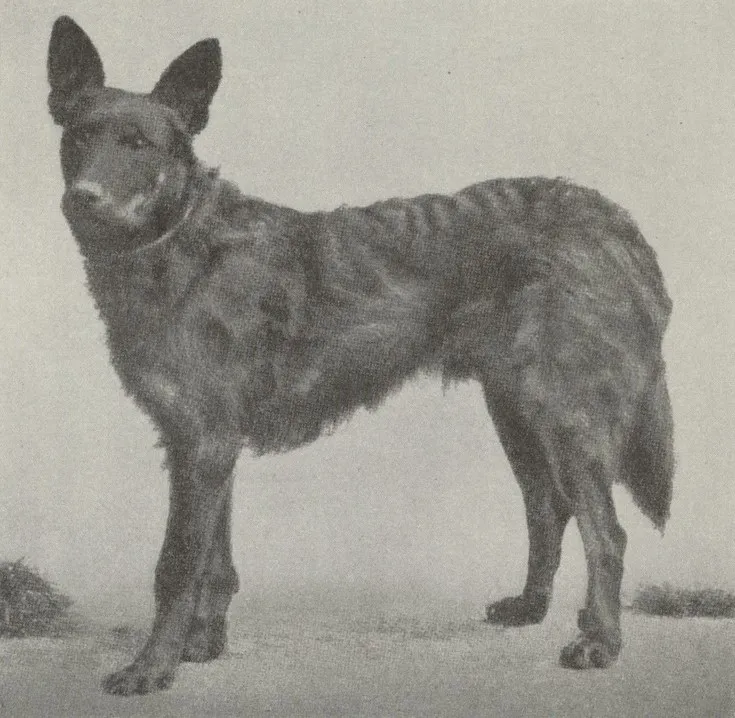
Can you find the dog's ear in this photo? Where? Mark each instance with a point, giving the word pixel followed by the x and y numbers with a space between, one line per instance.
pixel 189 83
pixel 73 65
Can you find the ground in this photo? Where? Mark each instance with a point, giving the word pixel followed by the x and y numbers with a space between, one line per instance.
pixel 391 660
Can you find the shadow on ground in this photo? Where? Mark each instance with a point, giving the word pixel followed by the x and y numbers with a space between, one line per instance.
pixel 390 660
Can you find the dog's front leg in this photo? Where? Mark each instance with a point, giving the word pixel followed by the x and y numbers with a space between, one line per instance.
pixel 201 482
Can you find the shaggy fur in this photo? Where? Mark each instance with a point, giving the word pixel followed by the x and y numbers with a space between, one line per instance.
pixel 233 321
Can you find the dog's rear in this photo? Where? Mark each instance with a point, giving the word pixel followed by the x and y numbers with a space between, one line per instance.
pixel 231 320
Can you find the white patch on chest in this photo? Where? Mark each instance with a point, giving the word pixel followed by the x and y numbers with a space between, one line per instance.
pixel 164 395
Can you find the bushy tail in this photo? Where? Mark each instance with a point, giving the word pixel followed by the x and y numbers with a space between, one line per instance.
pixel 650 461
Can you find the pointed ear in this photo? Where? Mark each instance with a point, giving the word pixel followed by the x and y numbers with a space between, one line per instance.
pixel 189 83
pixel 73 65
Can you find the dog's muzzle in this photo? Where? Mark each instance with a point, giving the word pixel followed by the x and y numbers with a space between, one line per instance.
pixel 98 218
pixel 89 201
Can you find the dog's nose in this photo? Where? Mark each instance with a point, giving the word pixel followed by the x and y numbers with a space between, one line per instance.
pixel 86 193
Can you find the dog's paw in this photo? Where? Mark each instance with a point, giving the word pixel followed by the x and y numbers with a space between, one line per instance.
pixel 517 611
pixel 585 652
pixel 138 679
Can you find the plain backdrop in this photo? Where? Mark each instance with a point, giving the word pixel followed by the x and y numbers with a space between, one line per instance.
pixel 324 103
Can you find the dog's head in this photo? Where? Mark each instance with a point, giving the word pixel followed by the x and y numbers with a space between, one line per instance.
pixel 125 157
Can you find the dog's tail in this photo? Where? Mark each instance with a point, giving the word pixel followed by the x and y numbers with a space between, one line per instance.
pixel 649 469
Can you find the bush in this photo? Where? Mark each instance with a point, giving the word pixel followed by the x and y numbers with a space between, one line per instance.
pixel 668 600
pixel 30 605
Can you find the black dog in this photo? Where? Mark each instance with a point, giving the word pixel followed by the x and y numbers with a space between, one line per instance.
pixel 232 322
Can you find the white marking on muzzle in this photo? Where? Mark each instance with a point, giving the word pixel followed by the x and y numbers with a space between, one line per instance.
pixel 93 188
pixel 129 211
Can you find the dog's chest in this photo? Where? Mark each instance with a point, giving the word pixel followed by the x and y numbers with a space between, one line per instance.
pixel 192 338
pixel 157 335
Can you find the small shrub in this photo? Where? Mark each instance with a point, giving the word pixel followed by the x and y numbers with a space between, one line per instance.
pixel 668 600
pixel 30 605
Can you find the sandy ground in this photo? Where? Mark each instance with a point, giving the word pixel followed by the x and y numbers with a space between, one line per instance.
pixel 389 661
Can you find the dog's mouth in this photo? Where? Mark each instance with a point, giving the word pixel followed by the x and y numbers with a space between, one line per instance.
pixel 102 224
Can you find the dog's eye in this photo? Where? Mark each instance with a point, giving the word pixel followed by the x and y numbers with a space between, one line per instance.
pixel 134 140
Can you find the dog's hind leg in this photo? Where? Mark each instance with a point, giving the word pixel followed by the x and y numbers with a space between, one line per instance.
pixel 547 514
pixel 583 450
pixel 208 629
pixel 201 477
pixel 590 473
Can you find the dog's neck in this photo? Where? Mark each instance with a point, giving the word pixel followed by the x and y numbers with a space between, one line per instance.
pixel 131 287
pixel 198 190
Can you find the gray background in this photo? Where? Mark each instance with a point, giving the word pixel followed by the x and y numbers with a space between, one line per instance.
pixel 324 103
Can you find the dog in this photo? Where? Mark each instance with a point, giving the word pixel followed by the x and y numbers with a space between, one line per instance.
pixel 234 322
